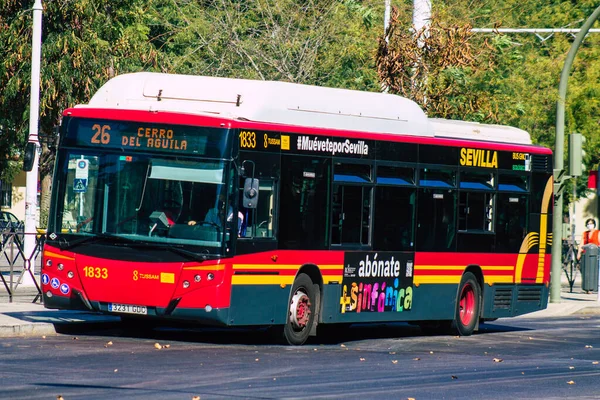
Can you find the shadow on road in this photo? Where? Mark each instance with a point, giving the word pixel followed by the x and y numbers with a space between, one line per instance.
pixel 259 335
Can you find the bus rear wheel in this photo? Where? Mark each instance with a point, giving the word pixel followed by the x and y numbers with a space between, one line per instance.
pixel 301 316
pixel 468 304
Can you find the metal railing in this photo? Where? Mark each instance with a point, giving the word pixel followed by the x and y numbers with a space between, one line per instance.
pixel 17 269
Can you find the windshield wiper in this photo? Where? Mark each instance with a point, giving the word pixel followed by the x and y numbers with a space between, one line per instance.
pixel 65 245
pixel 133 243
pixel 190 254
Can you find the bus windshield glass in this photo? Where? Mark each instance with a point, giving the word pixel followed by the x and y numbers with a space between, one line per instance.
pixel 144 198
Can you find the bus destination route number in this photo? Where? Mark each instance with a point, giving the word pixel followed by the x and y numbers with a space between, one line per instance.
pixel 248 140
pixel 144 138
pixel 253 140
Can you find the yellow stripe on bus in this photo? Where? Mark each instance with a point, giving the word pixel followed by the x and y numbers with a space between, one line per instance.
pixel 218 267
pixel 462 267
pixel 51 254
pixel 276 279
pixel 444 279
pixel 423 279
pixel 262 279
pixel 282 266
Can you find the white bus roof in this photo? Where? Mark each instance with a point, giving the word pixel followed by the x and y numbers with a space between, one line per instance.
pixel 475 131
pixel 289 104
pixel 264 101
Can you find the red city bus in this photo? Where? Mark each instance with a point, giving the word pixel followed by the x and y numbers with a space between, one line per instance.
pixel 231 202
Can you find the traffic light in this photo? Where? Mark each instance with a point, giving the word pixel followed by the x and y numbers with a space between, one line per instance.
pixel 576 154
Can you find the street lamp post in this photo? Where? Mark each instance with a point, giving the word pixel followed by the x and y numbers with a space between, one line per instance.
pixel 559 172
pixel 31 185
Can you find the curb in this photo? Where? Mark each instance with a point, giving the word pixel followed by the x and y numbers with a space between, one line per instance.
pixel 33 329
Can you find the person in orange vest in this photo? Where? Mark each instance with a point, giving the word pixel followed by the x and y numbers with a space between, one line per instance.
pixel 590 236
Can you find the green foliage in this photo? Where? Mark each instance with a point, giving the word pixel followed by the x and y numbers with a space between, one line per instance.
pixel 510 79
pixel 515 78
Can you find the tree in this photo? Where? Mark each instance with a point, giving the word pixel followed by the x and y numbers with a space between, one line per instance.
pixel 285 40
pixel 84 43
pixel 510 79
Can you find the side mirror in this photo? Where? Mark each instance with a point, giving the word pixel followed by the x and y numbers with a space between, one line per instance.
pixel 29 157
pixel 250 193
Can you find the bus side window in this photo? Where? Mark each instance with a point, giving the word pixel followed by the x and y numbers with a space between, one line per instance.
pixel 259 222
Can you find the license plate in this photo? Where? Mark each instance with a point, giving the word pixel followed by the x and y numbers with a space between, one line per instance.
pixel 127 308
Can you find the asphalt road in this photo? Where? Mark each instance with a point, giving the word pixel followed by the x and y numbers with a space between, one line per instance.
pixel 508 359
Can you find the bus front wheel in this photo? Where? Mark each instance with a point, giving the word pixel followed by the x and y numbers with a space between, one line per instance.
pixel 468 304
pixel 301 314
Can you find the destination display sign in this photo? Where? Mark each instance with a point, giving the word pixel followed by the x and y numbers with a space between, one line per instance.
pixel 483 158
pixel 270 141
pixel 306 144
pixel 142 136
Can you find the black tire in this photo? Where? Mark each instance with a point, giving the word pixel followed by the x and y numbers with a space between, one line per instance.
pixel 301 314
pixel 468 305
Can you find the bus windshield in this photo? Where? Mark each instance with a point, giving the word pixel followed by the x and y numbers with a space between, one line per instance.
pixel 144 198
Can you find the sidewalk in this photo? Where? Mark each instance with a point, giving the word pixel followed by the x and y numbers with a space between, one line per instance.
pixel 22 317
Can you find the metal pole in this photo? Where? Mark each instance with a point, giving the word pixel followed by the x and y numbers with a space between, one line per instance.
pixel 559 160
pixel 422 18
pixel 31 185
pixel 386 18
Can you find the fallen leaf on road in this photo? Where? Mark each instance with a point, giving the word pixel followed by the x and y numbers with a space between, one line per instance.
pixel 454 377
pixel 362 359
pixel 108 344
pixel 196 398
pixel 75 338
pixel 256 359
pixel 392 352
pixel 571 382
pixel 166 346
pixel 342 345
pixel 416 359
pixel 394 361
pixel 157 346
pixel 571 367
pixel 498 360
pixel 587 346
pixel 59 397
pixel 431 352
pixel 411 398
pixel 116 370
pixel 594 362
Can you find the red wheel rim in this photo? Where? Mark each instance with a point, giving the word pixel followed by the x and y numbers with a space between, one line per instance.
pixel 467 304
